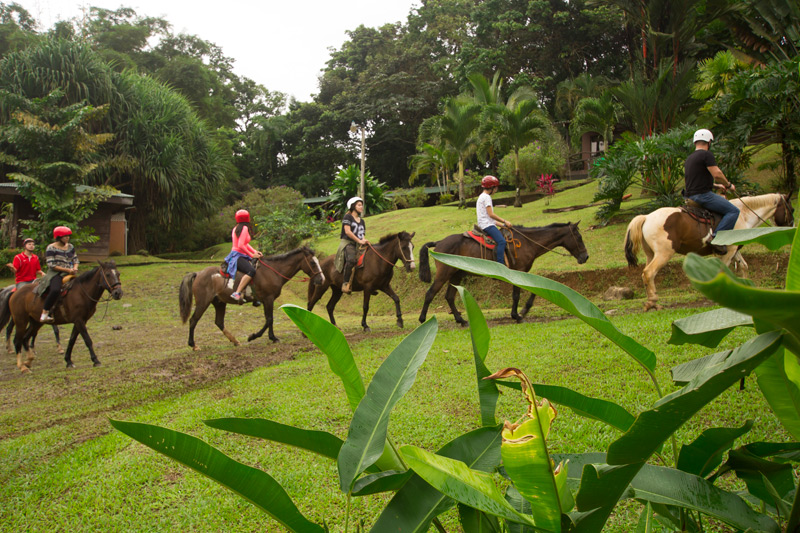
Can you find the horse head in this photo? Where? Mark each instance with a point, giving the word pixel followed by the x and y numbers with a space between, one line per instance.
pixel 407 250
pixel 109 279
pixel 574 243
pixel 311 266
pixel 784 213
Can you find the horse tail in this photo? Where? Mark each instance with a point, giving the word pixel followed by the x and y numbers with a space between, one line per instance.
pixel 185 295
pixel 424 262
pixel 633 240
pixel 5 308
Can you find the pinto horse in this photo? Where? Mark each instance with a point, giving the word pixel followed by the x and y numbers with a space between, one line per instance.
pixel 209 287
pixel 77 306
pixel 376 274
pixel 529 243
pixel 669 230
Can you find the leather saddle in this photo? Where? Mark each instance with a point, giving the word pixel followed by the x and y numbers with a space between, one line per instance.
pixel 701 214
pixel 486 242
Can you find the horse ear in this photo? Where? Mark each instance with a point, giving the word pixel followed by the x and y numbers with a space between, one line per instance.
pixel 576 224
pixel 412 235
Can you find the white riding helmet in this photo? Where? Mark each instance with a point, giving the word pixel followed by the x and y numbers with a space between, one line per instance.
pixel 351 202
pixel 703 135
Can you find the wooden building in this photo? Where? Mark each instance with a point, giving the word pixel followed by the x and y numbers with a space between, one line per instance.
pixel 108 221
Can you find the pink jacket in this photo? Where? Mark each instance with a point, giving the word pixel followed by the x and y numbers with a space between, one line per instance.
pixel 241 243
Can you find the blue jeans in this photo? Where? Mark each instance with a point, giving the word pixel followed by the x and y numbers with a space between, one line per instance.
pixel 718 204
pixel 500 249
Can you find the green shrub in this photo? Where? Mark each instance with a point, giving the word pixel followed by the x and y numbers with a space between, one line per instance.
pixel 347 183
pixel 405 198
pixel 7 255
pixel 545 156
pixel 445 198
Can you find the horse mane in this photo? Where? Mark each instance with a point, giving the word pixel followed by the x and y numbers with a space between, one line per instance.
pixel 290 253
pixel 549 226
pixel 391 236
pixel 86 276
pixel 763 200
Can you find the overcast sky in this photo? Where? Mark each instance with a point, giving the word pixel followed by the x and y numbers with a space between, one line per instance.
pixel 282 45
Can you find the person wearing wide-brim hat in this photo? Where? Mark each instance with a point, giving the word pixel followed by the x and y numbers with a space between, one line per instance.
pixel 353 234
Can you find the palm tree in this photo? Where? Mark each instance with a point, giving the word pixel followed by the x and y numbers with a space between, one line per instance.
pixel 515 124
pixel 598 115
pixel 458 130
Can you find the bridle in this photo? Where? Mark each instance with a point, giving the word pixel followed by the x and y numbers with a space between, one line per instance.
pixel 548 248
pixel 108 287
pixel 314 273
pixel 400 248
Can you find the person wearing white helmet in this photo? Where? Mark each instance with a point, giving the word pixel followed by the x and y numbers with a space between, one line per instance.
pixel 353 233
pixel 487 217
pixel 702 176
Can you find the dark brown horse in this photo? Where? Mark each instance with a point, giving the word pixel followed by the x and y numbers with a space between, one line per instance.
pixel 376 274
pixel 209 287
pixel 76 307
pixel 669 230
pixel 529 244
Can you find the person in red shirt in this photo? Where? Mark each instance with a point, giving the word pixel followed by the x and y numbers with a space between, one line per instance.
pixel 26 264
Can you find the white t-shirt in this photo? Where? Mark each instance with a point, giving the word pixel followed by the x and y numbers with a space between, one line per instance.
pixel 484 201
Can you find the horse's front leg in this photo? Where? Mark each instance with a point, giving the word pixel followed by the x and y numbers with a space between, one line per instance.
pixel 515 294
pixel 450 297
pixel 9 344
pixel 268 304
pixel 739 263
pixel 391 294
pixel 87 340
pixel 72 338
pixel 365 307
pixel 219 320
pixel 429 296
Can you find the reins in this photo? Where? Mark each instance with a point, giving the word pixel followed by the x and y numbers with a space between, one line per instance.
pixel 108 287
pixel 549 249
pixel 301 280
pixel 402 255
pixel 751 210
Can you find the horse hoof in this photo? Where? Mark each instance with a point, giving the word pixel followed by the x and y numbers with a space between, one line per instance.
pixel 400 324
pixel 251 338
pixel 60 350
pixel 367 330
pixel 196 348
pixel 274 339
pixel 25 369
pixel 70 365
pixel 98 363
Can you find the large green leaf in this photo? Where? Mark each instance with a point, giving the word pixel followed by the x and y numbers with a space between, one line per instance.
pixel 331 341
pixel 456 480
pixel 417 503
pixel 779 383
pixel 715 281
pixel 603 410
pixel 387 481
pixel 479 333
pixel 521 505
pixel 761 475
pixel 658 484
pixel 254 485
pixel 709 328
pixel 603 486
pixel 793 270
pixel 703 455
pixel 319 442
pixel 367 435
pixel 559 294
pixel 474 521
pixel 773 237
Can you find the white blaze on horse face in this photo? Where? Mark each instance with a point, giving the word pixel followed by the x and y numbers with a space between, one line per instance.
pixel 411 252
pixel 319 269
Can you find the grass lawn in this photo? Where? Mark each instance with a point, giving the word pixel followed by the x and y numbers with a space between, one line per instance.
pixel 63 468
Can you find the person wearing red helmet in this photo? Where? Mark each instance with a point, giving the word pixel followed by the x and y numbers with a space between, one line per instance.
pixel 61 261
pixel 487 216
pixel 242 254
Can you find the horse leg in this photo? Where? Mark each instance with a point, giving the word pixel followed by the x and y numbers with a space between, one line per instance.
pixel 739 263
pixel 450 297
pixel 528 305
pixel 219 320
pixel 70 344
pixel 649 277
pixel 30 337
pixel 515 294
pixel 336 294
pixel 80 325
pixel 429 295
pixel 268 306
pixel 9 329
pixel 199 309
pixel 365 307
pixel 391 294
pixel 59 349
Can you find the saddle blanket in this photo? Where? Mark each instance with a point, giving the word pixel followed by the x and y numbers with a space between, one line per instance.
pixel 482 240
pixel 704 216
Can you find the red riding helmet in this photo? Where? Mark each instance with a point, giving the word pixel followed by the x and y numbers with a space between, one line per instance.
pixel 242 215
pixel 61 231
pixel 490 181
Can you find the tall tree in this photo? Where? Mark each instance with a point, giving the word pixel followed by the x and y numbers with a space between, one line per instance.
pixel 459 130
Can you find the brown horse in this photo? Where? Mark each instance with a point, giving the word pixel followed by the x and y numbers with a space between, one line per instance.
pixel 76 307
pixel 379 264
pixel 529 243
pixel 209 287
pixel 669 231
pixel 5 296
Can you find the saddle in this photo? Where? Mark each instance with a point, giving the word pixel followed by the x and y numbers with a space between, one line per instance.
pixel 701 214
pixel 487 243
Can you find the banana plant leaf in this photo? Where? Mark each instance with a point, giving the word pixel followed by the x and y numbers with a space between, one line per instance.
pixel 559 294
pixel 330 340
pixel 602 487
pixel 387 481
pixel 780 451
pixel 753 470
pixel 521 505
pixel 646 520
pixel 603 410
pixel 366 437
pixel 773 238
pixel 414 506
pixel 253 484
pixel 779 382
pixel 470 487
pixel 474 521
pixel 479 333
pixel 686 372
pixel 703 455
pixel 715 281
pixel 709 328
pixel 793 270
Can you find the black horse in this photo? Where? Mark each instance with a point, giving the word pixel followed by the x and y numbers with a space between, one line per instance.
pixel 529 243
